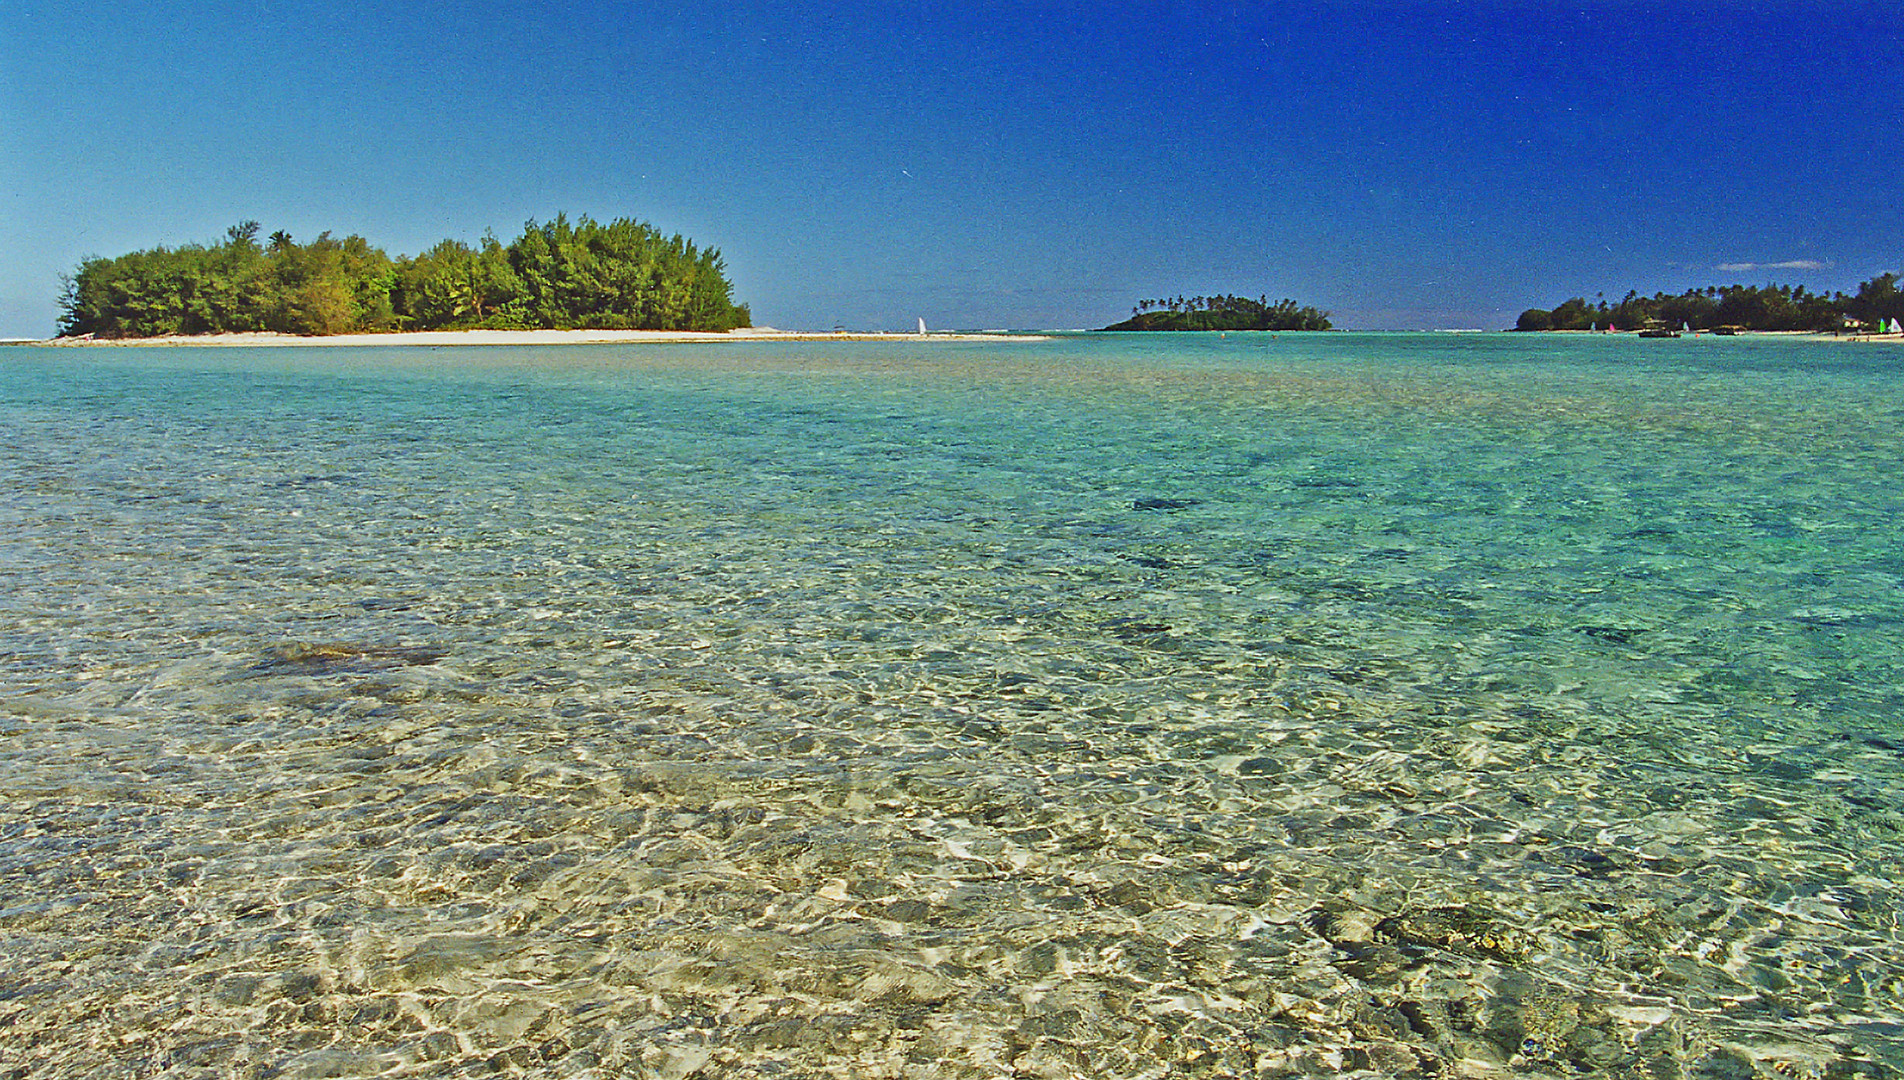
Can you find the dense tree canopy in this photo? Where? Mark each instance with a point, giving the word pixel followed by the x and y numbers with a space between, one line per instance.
pixel 1222 313
pixel 1771 307
pixel 624 275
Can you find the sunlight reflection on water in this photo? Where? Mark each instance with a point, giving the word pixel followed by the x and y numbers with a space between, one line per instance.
pixel 1088 707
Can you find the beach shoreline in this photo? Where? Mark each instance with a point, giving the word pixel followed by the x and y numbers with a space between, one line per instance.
pixel 1814 335
pixel 441 338
pixel 455 338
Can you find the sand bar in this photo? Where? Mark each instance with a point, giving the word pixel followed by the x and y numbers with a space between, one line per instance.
pixel 439 338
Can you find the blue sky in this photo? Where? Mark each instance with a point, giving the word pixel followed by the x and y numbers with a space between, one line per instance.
pixel 1035 164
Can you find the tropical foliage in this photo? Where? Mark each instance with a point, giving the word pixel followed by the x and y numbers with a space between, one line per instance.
pixel 1771 307
pixel 557 275
pixel 1222 313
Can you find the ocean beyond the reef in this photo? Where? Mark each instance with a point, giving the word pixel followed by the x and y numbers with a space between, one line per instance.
pixel 1110 705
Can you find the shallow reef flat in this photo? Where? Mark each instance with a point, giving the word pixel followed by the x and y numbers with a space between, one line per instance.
pixel 1105 710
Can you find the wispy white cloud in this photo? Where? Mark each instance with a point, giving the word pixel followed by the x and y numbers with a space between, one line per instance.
pixel 1789 264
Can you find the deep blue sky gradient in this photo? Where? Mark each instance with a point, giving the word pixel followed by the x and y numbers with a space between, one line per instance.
pixel 1026 165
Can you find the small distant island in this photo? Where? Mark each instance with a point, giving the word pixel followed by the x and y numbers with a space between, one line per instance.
pixel 558 275
pixel 1222 313
pixel 1730 307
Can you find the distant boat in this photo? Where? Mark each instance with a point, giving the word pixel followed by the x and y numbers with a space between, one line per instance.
pixel 922 325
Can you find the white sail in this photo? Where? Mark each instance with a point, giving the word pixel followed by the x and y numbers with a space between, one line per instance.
pixel 922 324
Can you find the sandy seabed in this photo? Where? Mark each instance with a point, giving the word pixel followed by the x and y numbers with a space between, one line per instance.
pixel 524 337
pixel 1096 709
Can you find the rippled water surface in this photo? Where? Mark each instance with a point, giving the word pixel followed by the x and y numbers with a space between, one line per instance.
pixel 1108 706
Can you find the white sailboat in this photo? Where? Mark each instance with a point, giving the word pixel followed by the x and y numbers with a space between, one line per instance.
pixel 922 326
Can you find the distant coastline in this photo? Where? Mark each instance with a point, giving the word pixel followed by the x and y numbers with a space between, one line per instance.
pixel 1877 306
pixel 1222 313
pixel 558 275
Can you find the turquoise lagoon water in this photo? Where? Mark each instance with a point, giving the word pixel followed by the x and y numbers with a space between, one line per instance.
pixel 1099 706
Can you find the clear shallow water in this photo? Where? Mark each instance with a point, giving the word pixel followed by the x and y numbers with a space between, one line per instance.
pixel 1105 706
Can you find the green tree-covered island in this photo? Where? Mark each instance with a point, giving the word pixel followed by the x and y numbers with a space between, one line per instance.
pixel 558 275
pixel 1222 313
pixel 1737 307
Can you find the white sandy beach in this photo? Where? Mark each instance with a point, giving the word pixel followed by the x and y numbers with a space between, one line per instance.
pixel 439 338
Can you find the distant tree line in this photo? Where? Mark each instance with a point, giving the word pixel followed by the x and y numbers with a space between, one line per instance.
pixel 1222 313
pixel 1770 307
pixel 563 275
